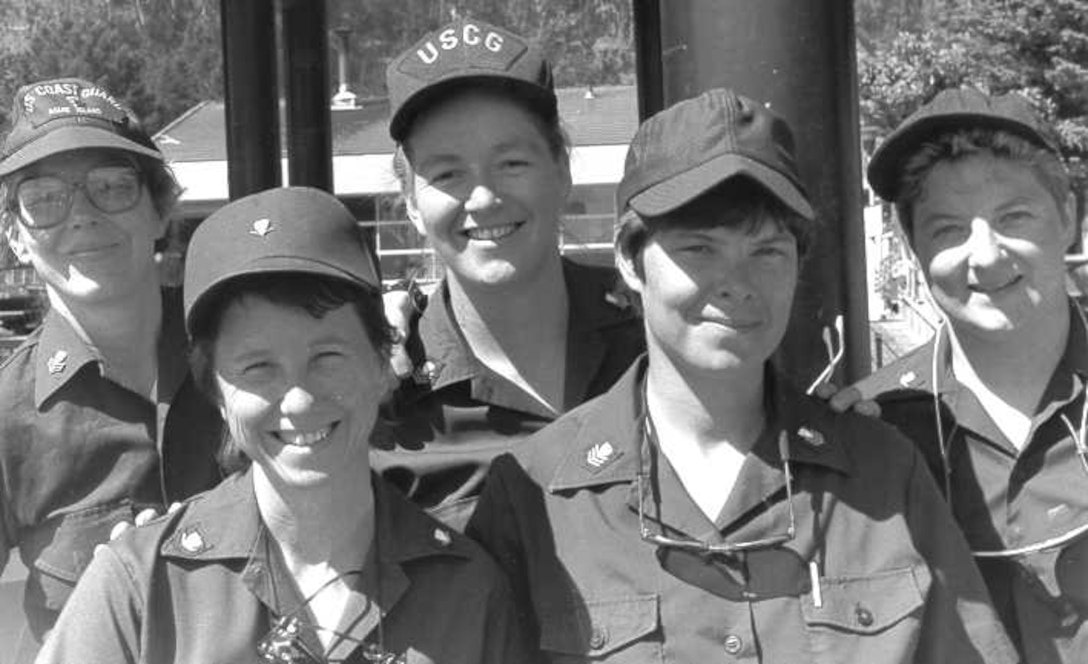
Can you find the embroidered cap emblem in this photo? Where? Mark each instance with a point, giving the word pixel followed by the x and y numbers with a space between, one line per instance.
pixel 261 227
pixel 811 436
pixel 907 379
pixel 600 454
pixel 58 362
pixel 191 541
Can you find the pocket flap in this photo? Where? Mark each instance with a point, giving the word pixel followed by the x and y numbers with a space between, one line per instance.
pixel 65 545
pixel 869 604
pixel 598 627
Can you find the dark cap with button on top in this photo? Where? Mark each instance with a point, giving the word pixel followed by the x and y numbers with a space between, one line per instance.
pixel 963 108
pixel 691 147
pixel 291 229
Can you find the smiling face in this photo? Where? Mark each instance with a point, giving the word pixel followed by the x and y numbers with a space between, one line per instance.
pixel 992 239
pixel 486 188
pixel 92 256
pixel 300 394
pixel 715 297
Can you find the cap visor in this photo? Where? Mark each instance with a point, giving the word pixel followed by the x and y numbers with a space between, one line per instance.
pixel 269 265
pixel 886 165
pixel 681 189
pixel 64 139
pixel 417 102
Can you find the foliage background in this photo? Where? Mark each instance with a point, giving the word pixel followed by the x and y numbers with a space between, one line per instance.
pixel 909 50
pixel 165 56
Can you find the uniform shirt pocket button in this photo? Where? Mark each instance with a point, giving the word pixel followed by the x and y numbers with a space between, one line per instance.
pixel 733 644
pixel 599 638
pixel 864 616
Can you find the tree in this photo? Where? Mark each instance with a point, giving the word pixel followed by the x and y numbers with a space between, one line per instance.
pixel 1038 48
pixel 160 56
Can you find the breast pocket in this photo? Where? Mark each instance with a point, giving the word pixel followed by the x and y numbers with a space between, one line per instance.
pixel 65 546
pixel 622 630
pixel 870 618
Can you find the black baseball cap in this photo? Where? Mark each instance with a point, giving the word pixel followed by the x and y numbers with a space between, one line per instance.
pixel 961 108
pixel 691 147
pixel 64 114
pixel 464 52
pixel 289 229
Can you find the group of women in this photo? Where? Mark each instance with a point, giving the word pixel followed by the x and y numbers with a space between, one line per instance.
pixel 700 510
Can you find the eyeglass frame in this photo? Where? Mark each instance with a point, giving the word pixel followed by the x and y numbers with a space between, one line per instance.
pixel 1049 544
pixel 699 546
pixel 16 205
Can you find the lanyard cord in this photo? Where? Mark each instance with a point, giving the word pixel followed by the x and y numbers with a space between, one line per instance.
pixel 287 625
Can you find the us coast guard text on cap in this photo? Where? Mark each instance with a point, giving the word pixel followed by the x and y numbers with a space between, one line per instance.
pixel 449 39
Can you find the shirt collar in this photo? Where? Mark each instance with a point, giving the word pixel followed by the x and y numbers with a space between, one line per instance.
pixel 61 354
pixel 225 523
pixel 609 430
pixel 596 303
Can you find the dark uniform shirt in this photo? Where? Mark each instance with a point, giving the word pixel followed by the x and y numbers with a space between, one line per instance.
pixel 455 415
pixel 895 580
pixel 1005 498
pixel 204 585
pixel 79 453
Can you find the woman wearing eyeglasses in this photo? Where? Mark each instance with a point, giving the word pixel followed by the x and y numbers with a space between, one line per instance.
pixel 98 415
pixel 702 509
pixel 302 556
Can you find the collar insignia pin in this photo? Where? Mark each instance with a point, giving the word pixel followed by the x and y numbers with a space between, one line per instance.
pixel 600 454
pixel 442 537
pixel 192 541
pixel 811 436
pixel 57 363
pixel 907 379
pixel 261 227
pixel 427 373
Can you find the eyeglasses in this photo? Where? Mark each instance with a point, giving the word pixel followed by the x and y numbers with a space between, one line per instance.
pixel 752 570
pixel 1073 544
pixel 45 201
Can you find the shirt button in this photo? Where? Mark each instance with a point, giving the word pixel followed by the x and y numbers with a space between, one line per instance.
pixel 864 616
pixel 733 644
pixel 599 637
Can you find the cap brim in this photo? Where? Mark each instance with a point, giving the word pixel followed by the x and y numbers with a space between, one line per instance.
pixel 68 138
pixel 683 188
pixel 269 265
pixel 887 161
pixel 415 103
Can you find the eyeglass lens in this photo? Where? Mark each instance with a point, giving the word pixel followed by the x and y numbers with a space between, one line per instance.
pixel 1069 572
pixel 748 576
pixel 46 200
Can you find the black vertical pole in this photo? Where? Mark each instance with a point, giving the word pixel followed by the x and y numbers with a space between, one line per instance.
pixel 648 66
pixel 249 72
pixel 309 133
pixel 798 56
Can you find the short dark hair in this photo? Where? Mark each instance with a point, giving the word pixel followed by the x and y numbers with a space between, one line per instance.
pixel 315 294
pixel 955 145
pixel 739 202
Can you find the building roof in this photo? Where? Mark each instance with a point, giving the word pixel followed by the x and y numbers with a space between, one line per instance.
pixel 600 124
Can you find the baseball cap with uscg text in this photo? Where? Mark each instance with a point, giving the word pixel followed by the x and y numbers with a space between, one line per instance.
pixel 64 114
pixel 463 52
pixel 689 148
